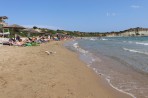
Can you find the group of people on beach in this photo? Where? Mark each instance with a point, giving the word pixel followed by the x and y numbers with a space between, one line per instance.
pixel 35 40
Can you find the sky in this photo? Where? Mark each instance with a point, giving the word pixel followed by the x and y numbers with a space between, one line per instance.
pixel 77 15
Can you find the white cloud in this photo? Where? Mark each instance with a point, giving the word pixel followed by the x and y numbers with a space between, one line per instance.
pixel 110 14
pixel 135 6
pixel 43 26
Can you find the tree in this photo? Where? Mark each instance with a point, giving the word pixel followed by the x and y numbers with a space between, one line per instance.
pixel 35 27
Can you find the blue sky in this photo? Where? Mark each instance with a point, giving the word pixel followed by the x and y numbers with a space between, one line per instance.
pixel 77 15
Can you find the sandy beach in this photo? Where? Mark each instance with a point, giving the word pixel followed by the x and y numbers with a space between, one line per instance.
pixel 30 72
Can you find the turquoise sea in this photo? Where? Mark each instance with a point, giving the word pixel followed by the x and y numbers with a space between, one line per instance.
pixel 122 61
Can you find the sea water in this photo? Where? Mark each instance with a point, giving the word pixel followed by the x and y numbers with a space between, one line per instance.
pixel 122 61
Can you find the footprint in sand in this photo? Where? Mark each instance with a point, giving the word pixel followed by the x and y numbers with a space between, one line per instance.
pixel 3 82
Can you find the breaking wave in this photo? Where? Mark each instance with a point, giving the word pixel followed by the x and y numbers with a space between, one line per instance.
pixel 136 51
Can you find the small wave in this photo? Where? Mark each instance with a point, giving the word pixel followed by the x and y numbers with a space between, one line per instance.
pixel 125 41
pixel 135 51
pixel 103 39
pixel 131 42
pixel 128 42
pixel 138 43
pixel 109 81
pixel 146 44
pixel 76 46
pixel 92 39
pixel 92 60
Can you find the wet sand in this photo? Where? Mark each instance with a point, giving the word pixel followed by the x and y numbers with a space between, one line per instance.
pixel 30 72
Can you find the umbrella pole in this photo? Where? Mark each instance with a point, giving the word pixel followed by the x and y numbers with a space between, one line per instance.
pixel 13 32
pixel 3 37
pixel 9 33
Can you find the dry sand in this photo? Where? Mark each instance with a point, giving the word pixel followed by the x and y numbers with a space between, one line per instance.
pixel 29 72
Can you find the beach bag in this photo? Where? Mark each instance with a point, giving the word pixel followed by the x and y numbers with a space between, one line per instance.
pixel 28 44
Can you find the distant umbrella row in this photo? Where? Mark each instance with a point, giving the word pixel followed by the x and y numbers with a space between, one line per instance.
pixel 15 26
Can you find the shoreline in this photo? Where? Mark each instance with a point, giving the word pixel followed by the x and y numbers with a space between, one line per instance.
pixel 100 75
pixel 124 70
pixel 30 72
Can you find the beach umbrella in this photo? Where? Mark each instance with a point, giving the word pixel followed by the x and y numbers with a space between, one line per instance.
pixel 14 27
pixel 3 17
pixel 29 31
pixel 32 31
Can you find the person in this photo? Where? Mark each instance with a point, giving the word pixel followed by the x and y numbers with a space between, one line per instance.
pixel 18 43
pixel 18 38
pixel 58 37
pixel 48 36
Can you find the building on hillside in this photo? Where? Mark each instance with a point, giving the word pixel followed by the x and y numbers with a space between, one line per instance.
pixel 3 31
pixel 2 20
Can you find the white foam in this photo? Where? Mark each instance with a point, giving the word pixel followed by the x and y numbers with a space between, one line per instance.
pixel 108 80
pixel 90 62
pixel 93 39
pixel 93 60
pixel 138 43
pixel 103 39
pixel 76 46
pixel 146 44
pixel 135 51
pixel 95 70
pixel 124 41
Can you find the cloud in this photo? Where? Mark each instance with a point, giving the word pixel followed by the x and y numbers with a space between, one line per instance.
pixel 135 6
pixel 111 14
pixel 43 26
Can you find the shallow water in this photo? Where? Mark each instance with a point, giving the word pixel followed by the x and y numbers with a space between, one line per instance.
pixel 123 61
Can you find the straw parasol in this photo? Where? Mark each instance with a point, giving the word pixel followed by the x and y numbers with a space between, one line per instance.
pixel 14 26
pixel 3 17
pixel 31 30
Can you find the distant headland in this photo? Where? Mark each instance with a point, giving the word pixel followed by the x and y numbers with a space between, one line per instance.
pixel 138 31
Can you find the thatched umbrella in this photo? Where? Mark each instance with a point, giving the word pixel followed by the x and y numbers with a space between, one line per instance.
pixel 3 17
pixel 14 27
pixel 32 31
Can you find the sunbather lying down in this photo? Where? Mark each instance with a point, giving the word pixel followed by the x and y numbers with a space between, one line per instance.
pixel 18 43
pixel 34 41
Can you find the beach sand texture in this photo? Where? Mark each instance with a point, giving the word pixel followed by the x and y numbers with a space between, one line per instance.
pixel 30 72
